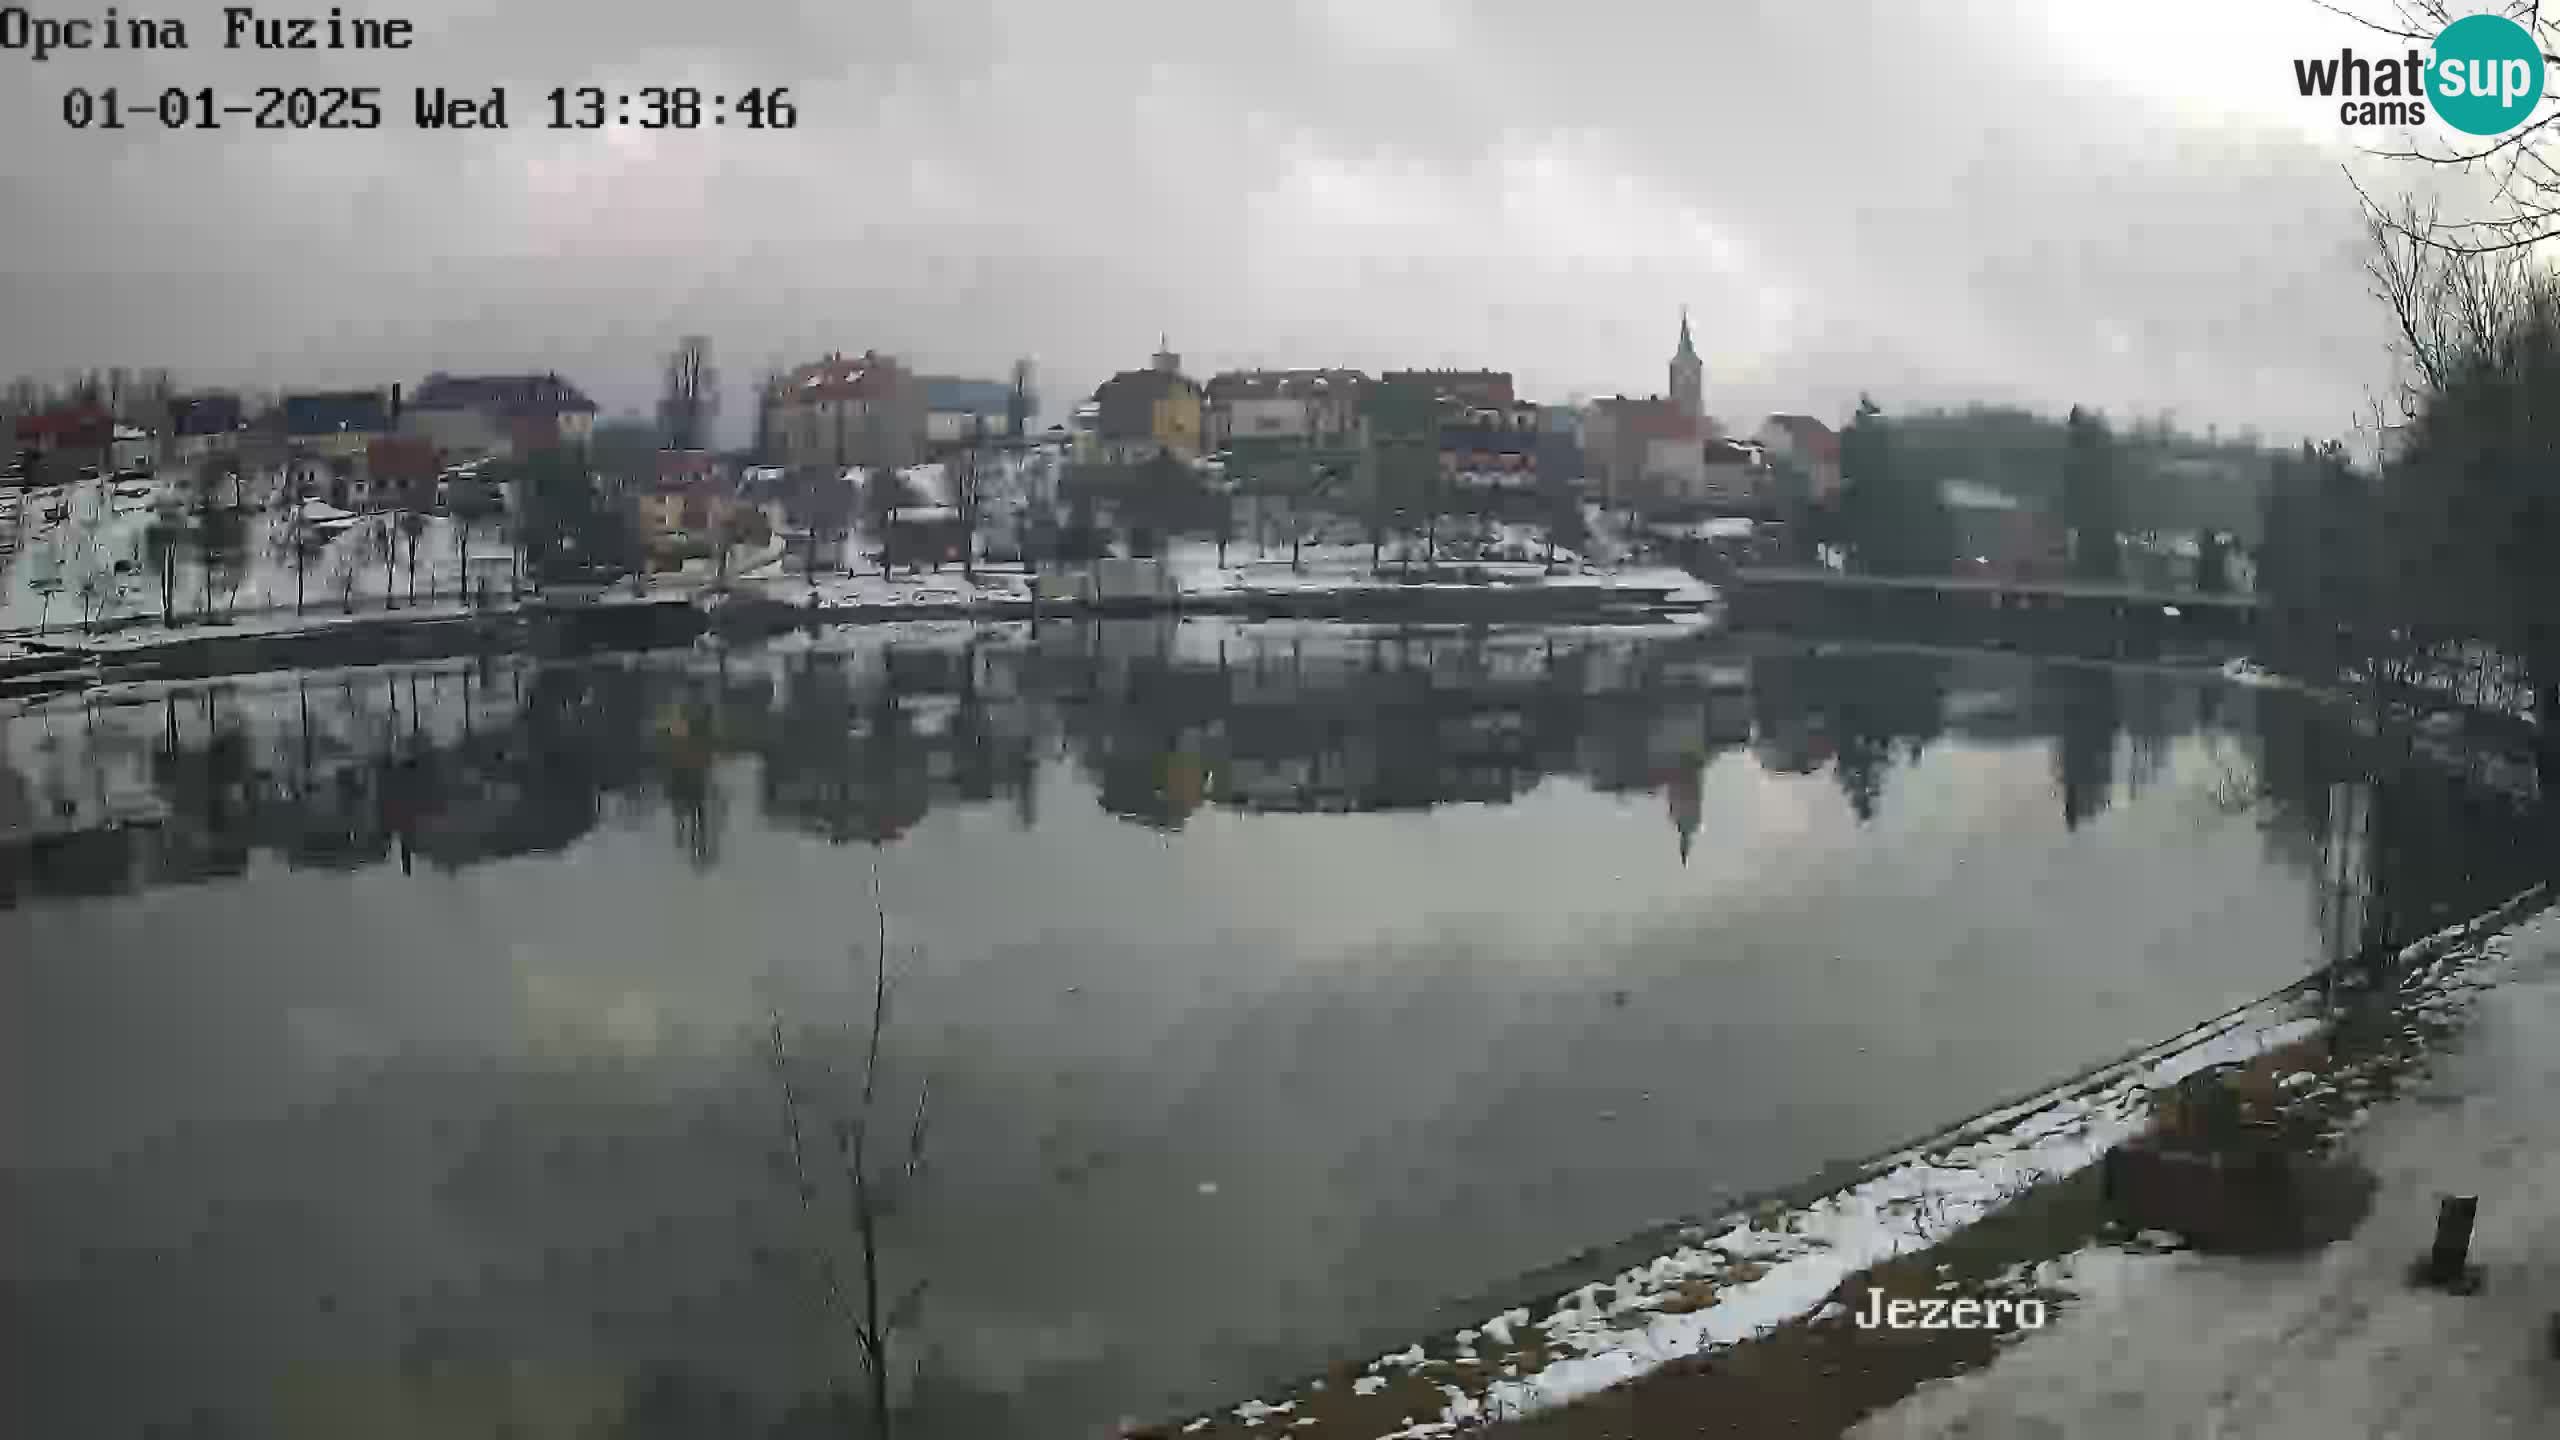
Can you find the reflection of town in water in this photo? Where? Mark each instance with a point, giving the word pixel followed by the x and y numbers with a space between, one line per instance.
pixel 499 1151
pixel 859 737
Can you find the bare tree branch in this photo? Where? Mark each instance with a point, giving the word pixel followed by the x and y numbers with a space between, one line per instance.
pixel 2374 25
pixel 836 1298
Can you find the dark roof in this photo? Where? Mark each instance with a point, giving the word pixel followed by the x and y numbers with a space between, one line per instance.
pixel 364 412
pixel 1481 386
pixel 514 396
pixel 1498 439
pixel 1128 401
pixel 1662 420
pixel 69 425
pixel 206 414
pixel 1812 434
pixel 401 457
pixel 954 395
pixel 684 469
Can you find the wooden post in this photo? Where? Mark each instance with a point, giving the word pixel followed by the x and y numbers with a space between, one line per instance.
pixel 2446 1266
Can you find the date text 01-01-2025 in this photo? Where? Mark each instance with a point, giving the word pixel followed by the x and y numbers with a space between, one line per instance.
pixel 360 108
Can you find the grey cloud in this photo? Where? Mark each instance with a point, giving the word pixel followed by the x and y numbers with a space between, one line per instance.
pixel 1931 205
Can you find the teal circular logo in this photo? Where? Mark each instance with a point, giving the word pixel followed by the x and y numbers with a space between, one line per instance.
pixel 2487 75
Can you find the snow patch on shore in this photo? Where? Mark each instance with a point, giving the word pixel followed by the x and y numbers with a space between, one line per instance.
pixel 1616 1334
pixel 1768 1269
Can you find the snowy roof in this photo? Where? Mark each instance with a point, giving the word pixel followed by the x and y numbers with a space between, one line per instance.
pixel 1275 384
pixel 930 484
pixel 1721 527
pixel 128 432
pixel 320 511
pixel 1971 495
pixel 922 514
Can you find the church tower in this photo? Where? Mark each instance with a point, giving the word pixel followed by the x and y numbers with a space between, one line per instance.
pixel 1688 374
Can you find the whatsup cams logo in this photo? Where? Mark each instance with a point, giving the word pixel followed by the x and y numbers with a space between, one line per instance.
pixel 2483 76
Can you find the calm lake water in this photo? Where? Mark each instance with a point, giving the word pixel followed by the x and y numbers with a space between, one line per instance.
pixel 391 1052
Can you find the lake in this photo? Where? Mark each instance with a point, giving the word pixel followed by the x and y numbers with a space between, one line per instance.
pixel 394 1051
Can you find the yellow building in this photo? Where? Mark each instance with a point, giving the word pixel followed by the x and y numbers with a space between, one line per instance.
pixel 1142 413
pixel 693 502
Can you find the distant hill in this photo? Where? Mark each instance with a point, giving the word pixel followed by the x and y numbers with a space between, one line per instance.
pixel 2172 481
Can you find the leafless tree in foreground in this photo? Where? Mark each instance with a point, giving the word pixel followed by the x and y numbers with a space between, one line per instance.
pixel 874 1167
pixel 2522 166
pixel 2447 305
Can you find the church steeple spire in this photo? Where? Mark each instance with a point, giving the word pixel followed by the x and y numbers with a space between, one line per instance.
pixel 1688 374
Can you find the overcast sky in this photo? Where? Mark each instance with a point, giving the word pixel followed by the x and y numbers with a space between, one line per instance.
pixel 2123 205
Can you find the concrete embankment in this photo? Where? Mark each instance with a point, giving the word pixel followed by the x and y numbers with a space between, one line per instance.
pixel 379 638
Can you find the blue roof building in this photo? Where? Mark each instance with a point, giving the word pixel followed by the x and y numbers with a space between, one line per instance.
pixel 337 412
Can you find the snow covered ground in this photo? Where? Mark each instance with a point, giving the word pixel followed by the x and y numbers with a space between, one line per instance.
pixel 1194 568
pixel 63 536
pixel 80 559
pixel 2336 1342
pixel 931 589
pixel 1768 1269
pixel 1330 568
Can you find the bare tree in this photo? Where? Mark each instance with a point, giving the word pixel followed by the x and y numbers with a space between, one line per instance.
pixel 154 391
pixel 874 1167
pixel 346 573
pixel 284 543
pixel 413 528
pixel 378 542
pixel 303 540
pixel 98 589
pixel 967 494
pixel 230 568
pixel 768 391
pixel 24 397
pixel 44 577
pixel 691 397
pixel 218 531
pixel 2446 305
pixel 1018 401
pixel 161 541
pixel 2522 166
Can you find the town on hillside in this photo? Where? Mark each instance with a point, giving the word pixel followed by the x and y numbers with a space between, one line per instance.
pixel 129 500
